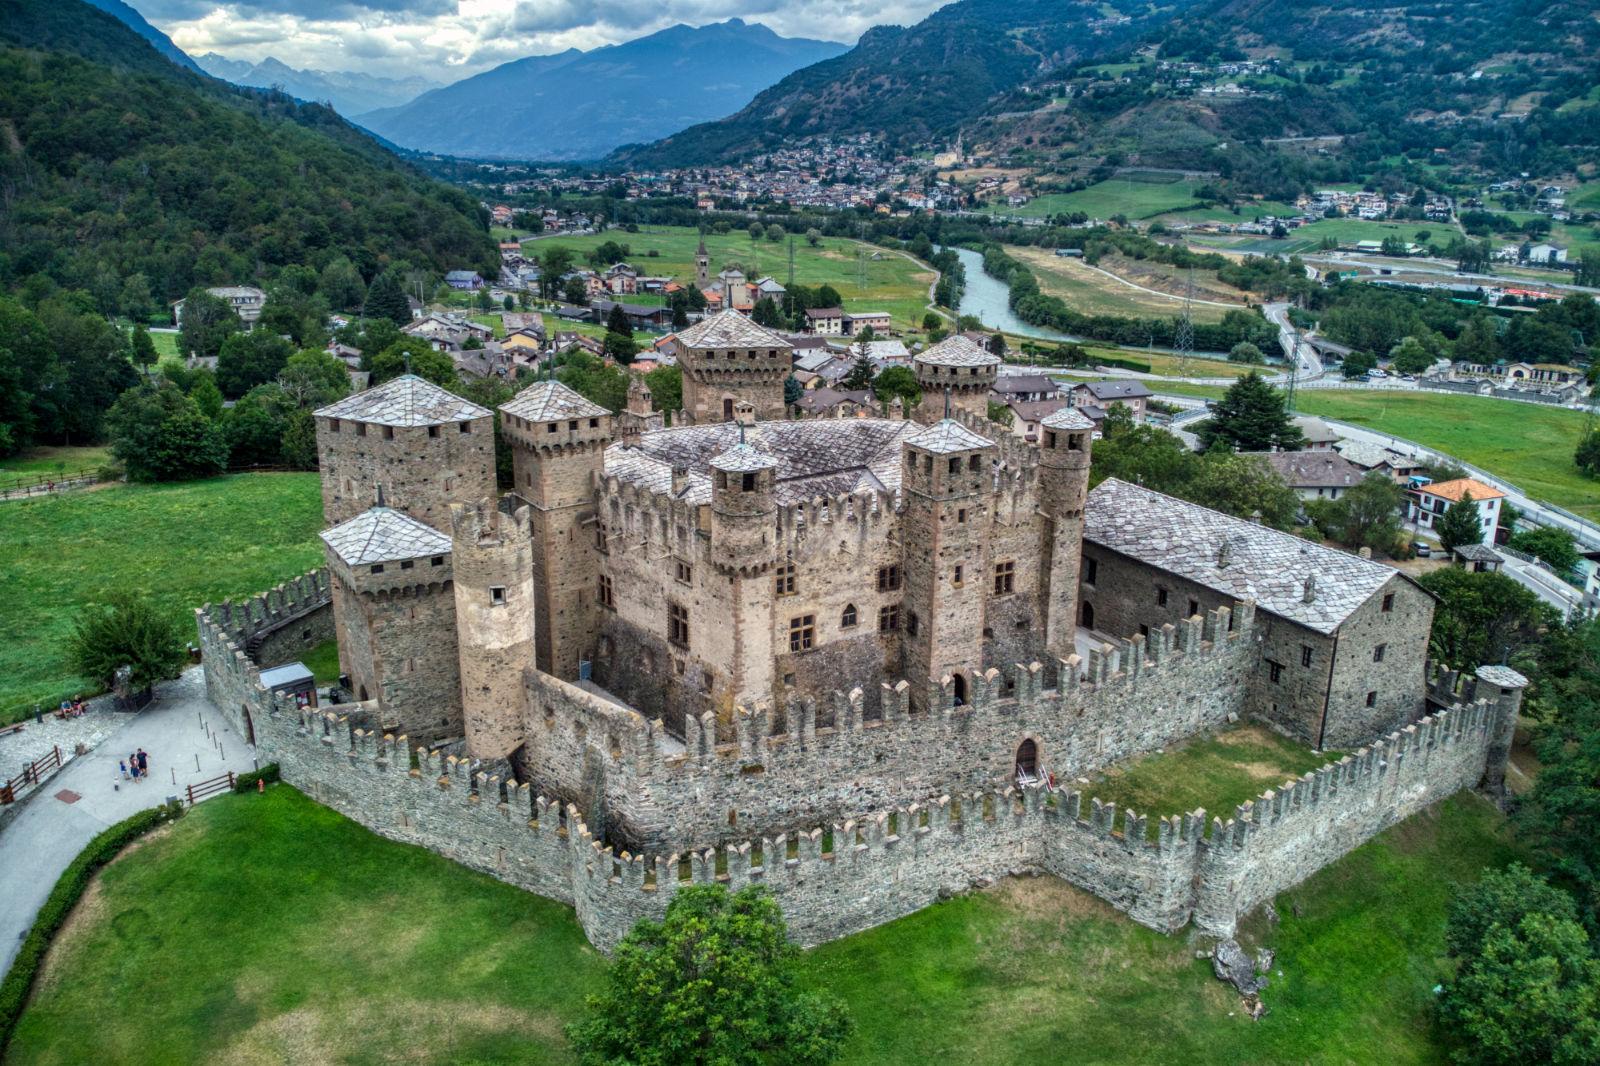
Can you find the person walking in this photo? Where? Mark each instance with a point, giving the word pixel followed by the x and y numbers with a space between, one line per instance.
pixel 122 764
pixel 144 764
pixel 133 767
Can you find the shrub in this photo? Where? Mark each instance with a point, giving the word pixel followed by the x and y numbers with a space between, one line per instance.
pixel 246 782
pixel 70 887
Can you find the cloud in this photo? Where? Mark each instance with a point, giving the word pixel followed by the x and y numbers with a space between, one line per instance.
pixel 450 39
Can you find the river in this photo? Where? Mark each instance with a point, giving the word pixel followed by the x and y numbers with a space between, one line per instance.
pixel 989 299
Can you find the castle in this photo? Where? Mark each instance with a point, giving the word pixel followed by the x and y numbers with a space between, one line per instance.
pixel 746 625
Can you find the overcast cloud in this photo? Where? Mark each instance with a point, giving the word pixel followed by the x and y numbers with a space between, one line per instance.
pixel 450 39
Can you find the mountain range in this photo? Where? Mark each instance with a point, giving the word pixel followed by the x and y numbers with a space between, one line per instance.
pixel 349 93
pixel 580 105
pixel 137 23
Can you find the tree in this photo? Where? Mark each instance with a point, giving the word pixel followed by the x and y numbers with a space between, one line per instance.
pixel 256 426
pixel 426 363
pixel 313 378
pixel 1244 485
pixel 1357 364
pixel 931 321
pixel 666 388
pixel 1366 516
pixel 1252 417
pixel 775 233
pixel 1143 455
pixel 341 285
pixel 1245 352
pixel 1460 524
pixel 997 344
pixel 1555 546
pixel 1001 414
pixel 1527 983
pixel 250 359
pixel 485 301
pixel 713 982
pixel 385 299
pixel 575 291
pixel 1587 455
pixel 159 434
pixel 205 394
pixel 765 313
pixel 207 321
pixel 792 391
pixel 898 381
pixel 1478 342
pixel 142 348
pixel 617 321
pixel 1410 356
pixel 620 347
pixel 125 632
pixel 756 231
pixel 828 296
pixel 814 238
pixel 860 375
pixel 1483 618
pixel 594 380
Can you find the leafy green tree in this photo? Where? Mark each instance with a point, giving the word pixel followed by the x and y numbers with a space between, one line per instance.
pixel 1527 984
pixel 137 301
pixel 814 238
pixel 592 379
pixel 130 632
pixel 860 375
pixel 509 303
pixel 485 301
pixel 575 291
pixel 1357 363
pixel 756 231
pixel 617 321
pixel 1245 352
pixel 386 299
pixel 775 233
pixel 143 349
pixel 666 388
pixel 715 982
pixel 250 359
pixel 340 284
pixel 159 434
pixel 765 313
pixel 1000 414
pixel 620 348
pixel 1252 417
pixel 1587 455
pixel 828 296
pixel 1410 356
pixel 553 264
pixel 426 363
pixel 931 321
pixel 1483 618
pixel 205 394
pixel 898 381
pixel 300 441
pixel 314 378
pixel 1460 524
pixel 792 391
pixel 1366 516
pixel 1555 546
pixel 256 426
pixel 1244 485
pixel 300 316
pixel 207 321
pixel 1478 341
pixel 1143 455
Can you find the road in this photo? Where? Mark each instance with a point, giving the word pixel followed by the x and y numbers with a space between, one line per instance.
pixel 1542 583
pixel 1442 267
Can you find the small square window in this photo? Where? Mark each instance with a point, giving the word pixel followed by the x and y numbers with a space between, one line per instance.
pixel 594 423
pixel 388 433
pixel 437 560
pixel 1194 608
pixel 407 564
pixel 361 429
pixel 783 579
pixel 888 578
pixel 961 514
pixel 1388 602
pixel 802 633
pixel 1161 597
pixel 1372 699
pixel 466 427
pixel 497 595
pixel 888 619
pixel 377 568
pixel 433 431
pixel 333 425
pixel 685 572
pixel 1275 672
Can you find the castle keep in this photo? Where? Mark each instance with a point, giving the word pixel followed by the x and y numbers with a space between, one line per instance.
pixel 715 638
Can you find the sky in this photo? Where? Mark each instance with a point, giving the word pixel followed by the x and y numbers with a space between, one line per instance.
pixel 445 40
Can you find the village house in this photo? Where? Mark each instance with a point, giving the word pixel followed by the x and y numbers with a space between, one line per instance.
pixel 826 321
pixel 464 280
pixel 827 402
pixel 1319 436
pixel 246 301
pixel 1026 387
pixel 855 321
pixel 1426 504
pixel 1370 457
pixel 1131 394
pixel 1314 475
pixel 1028 415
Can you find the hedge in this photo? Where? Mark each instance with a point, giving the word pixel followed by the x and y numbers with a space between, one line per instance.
pixel 247 782
pixel 1125 364
pixel 70 887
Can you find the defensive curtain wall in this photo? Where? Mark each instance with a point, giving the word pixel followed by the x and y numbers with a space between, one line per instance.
pixel 849 874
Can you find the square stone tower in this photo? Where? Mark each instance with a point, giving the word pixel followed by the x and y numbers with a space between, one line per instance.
pixel 726 359
pixel 959 368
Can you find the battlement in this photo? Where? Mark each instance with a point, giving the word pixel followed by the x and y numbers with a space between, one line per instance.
pixel 871 508
pixel 1016 454
pixel 483 524
pixel 244 618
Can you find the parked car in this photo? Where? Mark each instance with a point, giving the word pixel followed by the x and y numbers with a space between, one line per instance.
pixel 1422 549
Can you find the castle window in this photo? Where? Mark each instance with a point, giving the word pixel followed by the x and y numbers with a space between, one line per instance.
pixel 600 537
pixel 961 515
pixel 1074 442
pixel 911 623
pixel 466 427
pixel 973 463
pixel 961 575
pixel 1049 438
pixel 361 429
pixel 1091 568
pixel 955 464
pixel 1377 653
pixel 377 568
pixel 594 423
pixel 407 564
pixel 748 484
pixel 607 599
pixel 685 572
pixel 678 624
pixel 1388 602
pixel 433 431
pixel 1194 608
pixel 1372 699
pixel 888 619
pixel 333 425
pixel 847 620
pixel 1275 672
pixel 572 424
pixel 784 579
pixel 1005 578
pixel 888 578
pixel 551 427
pixel 927 465
pixel 1305 655
pixel 388 433
pixel 1161 597
pixel 802 633
pixel 497 595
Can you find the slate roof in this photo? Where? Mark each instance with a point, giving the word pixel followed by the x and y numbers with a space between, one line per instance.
pixel 1368 455
pixel 1261 563
pixel 405 401
pixel 948 435
pixel 1478 553
pixel 730 329
pixel 1010 384
pixel 1503 676
pixel 743 459
pixel 550 401
pixel 815 457
pixel 1314 470
pixel 958 350
pixel 1316 431
pixel 1067 418
pixel 381 535
pixel 1111 391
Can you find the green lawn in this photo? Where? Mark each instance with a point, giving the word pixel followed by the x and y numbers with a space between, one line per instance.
pixel 1116 196
pixel 892 282
pixel 1216 772
pixel 166 344
pixel 268 929
pixel 323 662
pixel 45 461
pixel 180 545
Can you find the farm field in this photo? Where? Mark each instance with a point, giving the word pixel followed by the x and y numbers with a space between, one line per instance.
pixel 46 460
pixel 1091 292
pixel 1116 196
pixel 893 282
pixel 180 545
pixel 287 933
pixel 1248 212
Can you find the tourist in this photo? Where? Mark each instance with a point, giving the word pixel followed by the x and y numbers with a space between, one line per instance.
pixel 144 764
pixel 122 764
pixel 133 767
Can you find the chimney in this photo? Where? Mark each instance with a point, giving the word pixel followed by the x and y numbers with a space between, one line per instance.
pixel 680 477
pixel 1224 557
pixel 1255 516
pixel 1310 595
pixel 1365 553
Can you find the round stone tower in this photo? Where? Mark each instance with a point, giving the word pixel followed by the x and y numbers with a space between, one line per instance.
pixel 958 367
pixel 1063 485
pixel 492 554
pixel 744 510
pixel 726 359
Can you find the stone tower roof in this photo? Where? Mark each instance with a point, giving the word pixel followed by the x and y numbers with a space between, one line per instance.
pixel 382 535
pixel 730 329
pixel 1304 582
pixel 948 435
pixel 551 401
pixel 405 401
pixel 1067 418
pixel 958 350
pixel 743 459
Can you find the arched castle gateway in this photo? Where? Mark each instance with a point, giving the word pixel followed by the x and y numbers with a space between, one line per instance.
pixel 735 630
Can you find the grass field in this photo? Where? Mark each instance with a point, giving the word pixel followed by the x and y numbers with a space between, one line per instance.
pixel 268 929
pixel 180 545
pixel 1116 196
pixel 893 282
pixel 1091 292
pixel 166 344
pixel 323 662
pixel 43 461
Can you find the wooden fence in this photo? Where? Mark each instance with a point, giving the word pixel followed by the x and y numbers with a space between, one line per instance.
pixel 200 791
pixel 31 774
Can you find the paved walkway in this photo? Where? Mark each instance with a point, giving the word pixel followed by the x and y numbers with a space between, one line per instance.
pixel 53 827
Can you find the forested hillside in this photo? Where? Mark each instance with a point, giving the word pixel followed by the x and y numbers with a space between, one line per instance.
pixel 126 176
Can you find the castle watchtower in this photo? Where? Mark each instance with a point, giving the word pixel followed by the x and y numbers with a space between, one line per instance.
pixel 744 514
pixel 495 623
pixel 1063 485
pixel 946 475
pixel 702 266
pixel 422 446
pixel 558 441
pixel 727 358
pixel 960 367
pixel 391 579
pixel 639 417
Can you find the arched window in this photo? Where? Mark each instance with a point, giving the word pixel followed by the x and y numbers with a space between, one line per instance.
pixel 1027 758
pixel 958 689
pixel 847 620
pixel 1088 615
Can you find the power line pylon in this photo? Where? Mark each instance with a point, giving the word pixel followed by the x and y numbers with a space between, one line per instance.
pixel 1184 341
